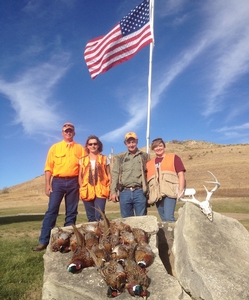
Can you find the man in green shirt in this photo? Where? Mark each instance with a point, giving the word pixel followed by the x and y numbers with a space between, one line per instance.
pixel 129 179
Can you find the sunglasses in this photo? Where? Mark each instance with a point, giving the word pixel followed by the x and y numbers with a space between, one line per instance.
pixel 158 139
pixel 92 144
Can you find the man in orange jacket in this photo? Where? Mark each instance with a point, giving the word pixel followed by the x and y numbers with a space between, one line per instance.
pixel 61 179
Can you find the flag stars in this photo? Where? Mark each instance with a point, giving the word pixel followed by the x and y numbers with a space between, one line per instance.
pixel 136 19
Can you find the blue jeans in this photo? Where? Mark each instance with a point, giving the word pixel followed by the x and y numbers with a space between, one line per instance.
pixel 68 187
pixel 166 208
pixel 132 201
pixel 92 214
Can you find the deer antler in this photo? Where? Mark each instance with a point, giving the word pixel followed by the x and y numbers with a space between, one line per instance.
pixel 205 207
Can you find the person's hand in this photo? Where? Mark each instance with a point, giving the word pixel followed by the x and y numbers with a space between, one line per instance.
pixel 48 189
pixel 114 198
pixel 180 195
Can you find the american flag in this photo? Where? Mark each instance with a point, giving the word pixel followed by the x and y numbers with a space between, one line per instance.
pixel 130 35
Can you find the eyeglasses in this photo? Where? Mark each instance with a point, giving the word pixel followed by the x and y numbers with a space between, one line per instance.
pixel 92 144
pixel 68 130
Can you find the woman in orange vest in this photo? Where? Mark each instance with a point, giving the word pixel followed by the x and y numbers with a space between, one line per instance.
pixel 94 178
pixel 166 180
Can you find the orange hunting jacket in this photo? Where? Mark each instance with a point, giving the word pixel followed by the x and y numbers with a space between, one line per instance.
pixel 94 184
pixel 162 181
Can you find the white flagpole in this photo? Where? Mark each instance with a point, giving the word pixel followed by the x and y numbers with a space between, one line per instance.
pixel 150 76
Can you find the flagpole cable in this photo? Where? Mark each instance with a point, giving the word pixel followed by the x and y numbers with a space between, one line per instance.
pixel 150 76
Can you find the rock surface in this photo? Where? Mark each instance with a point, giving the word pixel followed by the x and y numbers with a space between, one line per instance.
pixel 211 258
pixel 89 285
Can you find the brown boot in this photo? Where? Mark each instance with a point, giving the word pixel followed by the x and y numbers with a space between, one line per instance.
pixel 40 247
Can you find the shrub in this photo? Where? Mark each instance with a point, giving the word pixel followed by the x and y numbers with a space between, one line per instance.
pixel 5 190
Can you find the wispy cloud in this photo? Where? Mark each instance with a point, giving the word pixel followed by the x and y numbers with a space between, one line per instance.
pixel 169 7
pixel 30 95
pixel 228 28
pixel 136 110
pixel 224 33
pixel 239 131
pixel 237 110
pixel 231 128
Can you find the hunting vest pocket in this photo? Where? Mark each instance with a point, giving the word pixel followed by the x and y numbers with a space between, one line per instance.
pixel 84 192
pixel 169 184
pixel 105 191
pixel 154 191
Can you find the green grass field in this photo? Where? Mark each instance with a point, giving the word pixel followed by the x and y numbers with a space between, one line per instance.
pixel 21 270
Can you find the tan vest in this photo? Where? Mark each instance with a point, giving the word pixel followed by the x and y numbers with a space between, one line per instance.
pixel 94 184
pixel 163 181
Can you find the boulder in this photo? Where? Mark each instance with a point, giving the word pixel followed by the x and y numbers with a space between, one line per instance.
pixel 211 259
pixel 89 285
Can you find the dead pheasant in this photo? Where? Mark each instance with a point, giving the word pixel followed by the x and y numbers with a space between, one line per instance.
pixel 91 239
pixel 81 257
pixel 104 224
pixel 102 255
pixel 140 235
pixel 127 237
pixel 143 255
pixel 118 226
pixel 120 252
pixel 60 241
pixel 91 227
pixel 137 280
pixel 113 274
pixel 114 239
pixel 73 243
pixel 90 231
pixel 106 239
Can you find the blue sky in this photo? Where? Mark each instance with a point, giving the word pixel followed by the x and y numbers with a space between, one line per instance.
pixel 199 80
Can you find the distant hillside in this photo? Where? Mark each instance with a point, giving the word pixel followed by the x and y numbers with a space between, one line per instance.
pixel 229 163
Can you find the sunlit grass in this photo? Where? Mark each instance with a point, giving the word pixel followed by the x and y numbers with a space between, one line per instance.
pixel 21 269
pixel 229 205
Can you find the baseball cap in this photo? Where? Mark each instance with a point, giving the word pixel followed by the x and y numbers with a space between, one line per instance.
pixel 67 126
pixel 130 135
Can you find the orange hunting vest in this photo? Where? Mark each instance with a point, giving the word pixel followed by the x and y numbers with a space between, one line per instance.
pixel 163 181
pixel 167 164
pixel 94 184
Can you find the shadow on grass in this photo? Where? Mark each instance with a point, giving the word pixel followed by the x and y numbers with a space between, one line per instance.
pixel 21 218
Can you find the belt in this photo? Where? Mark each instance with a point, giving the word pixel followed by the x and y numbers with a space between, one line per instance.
pixel 67 177
pixel 137 187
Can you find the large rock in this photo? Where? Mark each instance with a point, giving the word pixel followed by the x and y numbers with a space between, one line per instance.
pixel 211 258
pixel 89 285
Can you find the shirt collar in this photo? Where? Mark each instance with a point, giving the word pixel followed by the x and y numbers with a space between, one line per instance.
pixel 134 154
pixel 69 143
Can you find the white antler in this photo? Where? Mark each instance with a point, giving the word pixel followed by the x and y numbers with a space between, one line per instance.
pixel 204 205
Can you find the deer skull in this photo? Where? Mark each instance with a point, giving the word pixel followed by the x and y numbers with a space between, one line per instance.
pixel 205 207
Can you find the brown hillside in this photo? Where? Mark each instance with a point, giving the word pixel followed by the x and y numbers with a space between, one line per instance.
pixel 229 163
